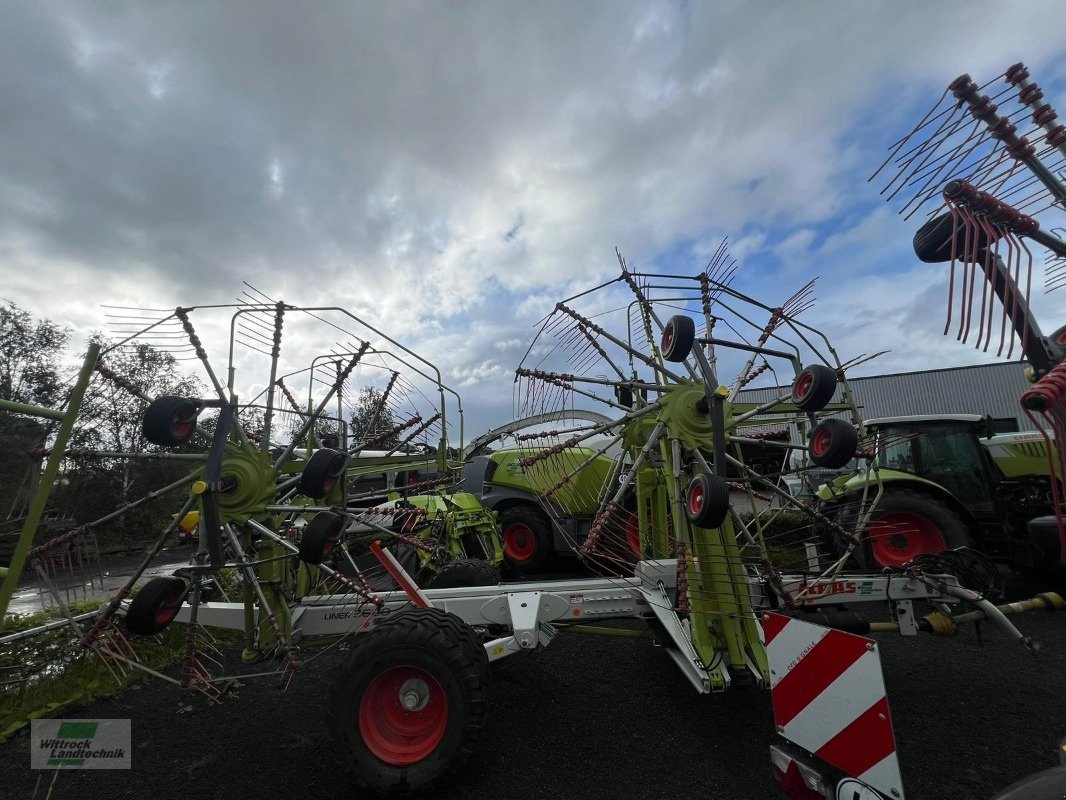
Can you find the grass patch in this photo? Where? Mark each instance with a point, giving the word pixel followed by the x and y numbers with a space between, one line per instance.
pixel 44 673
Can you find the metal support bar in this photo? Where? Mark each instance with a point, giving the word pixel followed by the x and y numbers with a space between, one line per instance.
pixel 683 653
pixel 48 476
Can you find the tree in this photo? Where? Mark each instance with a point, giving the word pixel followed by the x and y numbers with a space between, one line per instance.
pixel 29 356
pixel 371 418
pixel 31 350
pixel 111 422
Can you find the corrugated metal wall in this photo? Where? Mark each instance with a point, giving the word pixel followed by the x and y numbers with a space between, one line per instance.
pixel 988 389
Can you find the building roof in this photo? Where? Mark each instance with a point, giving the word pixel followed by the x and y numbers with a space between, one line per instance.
pixel 993 389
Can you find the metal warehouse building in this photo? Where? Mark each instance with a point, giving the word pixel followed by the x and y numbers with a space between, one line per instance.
pixel 992 389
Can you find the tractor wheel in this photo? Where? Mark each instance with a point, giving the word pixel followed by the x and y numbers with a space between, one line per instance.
pixel 169 420
pixel 321 473
pixel 409 704
pixel 527 537
pixel 833 443
pixel 707 501
pixel 320 536
pixel 814 387
pixel 155 606
pixel 464 572
pixel 678 337
pixel 906 524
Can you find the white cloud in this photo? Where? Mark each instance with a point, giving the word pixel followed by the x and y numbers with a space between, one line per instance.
pixel 378 156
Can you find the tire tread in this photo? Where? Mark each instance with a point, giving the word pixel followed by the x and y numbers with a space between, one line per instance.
pixel 458 647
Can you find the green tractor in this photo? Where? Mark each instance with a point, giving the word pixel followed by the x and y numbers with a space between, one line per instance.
pixel 946 481
pixel 531 537
pixel 940 482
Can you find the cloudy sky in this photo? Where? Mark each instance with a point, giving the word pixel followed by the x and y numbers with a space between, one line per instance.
pixel 449 170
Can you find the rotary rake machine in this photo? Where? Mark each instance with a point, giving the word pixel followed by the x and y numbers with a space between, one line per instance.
pixel 282 522
pixel 685 539
pixel 674 553
pixel 721 591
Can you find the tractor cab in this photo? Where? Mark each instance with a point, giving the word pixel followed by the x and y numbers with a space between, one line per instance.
pixel 946 450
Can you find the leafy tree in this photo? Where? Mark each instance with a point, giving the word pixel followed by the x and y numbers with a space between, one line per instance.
pixel 371 418
pixel 253 423
pixel 31 350
pixel 111 422
pixel 29 353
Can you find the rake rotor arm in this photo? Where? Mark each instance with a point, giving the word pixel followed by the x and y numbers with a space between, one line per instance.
pixel 1034 343
pixel 792 358
pixel 1000 128
pixel 997 273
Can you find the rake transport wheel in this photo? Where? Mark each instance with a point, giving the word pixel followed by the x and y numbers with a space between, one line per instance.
pixel 906 524
pixel 707 501
pixel 678 337
pixel 155 606
pixel 169 420
pixel 814 387
pixel 409 703
pixel 323 470
pixel 527 537
pixel 833 443
pixel 320 536
pixel 465 572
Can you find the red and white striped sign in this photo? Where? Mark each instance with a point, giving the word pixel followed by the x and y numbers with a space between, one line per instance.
pixel 829 698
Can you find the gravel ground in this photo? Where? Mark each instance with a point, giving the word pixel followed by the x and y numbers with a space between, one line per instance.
pixel 594 717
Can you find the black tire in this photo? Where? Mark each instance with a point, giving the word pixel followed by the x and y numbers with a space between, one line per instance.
pixel 169 420
pixel 833 443
pixel 464 572
pixel 431 646
pixel 1042 561
pixel 901 517
pixel 678 337
pixel 932 241
pixel 707 501
pixel 320 536
pixel 320 475
pixel 527 537
pixel 814 387
pixel 155 605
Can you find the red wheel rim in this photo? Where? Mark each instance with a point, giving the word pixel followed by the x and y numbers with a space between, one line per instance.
pixel 168 608
pixel 803 385
pixel 897 537
pixel 180 428
pixel 519 542
pixel 820 443
pixel 695 498
pixel 668 337
pixel 633 535
pixel 403 714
